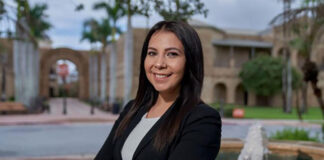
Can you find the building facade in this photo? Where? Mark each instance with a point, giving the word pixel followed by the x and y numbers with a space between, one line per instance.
pixel 225 51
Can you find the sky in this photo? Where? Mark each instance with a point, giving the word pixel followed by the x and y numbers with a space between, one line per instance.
pixel 224 14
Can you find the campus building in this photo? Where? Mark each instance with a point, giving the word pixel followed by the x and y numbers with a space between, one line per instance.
pixel 225 51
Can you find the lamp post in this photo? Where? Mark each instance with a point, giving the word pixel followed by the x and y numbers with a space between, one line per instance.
pixel 3 83
pixel 63 71
pixel 64 95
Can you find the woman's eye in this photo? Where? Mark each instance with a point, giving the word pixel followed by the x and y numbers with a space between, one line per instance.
pixel 172 54
pixel 151 53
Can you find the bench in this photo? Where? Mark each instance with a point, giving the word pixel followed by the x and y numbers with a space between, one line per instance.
pixel 12 107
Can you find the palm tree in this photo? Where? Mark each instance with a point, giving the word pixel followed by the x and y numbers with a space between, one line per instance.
pixel 37 21
pixel 3 49
pixel 89 34
pixel 114 13
pixel 132 7
pixel 2 9
pixel 3 61
pixel 183 10
pixel 2 57
pixel 31 26
pixel 307 23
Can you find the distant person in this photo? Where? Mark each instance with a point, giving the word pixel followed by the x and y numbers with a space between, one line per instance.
pixel 167 119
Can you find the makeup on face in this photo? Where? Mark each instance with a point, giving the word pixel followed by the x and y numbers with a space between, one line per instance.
pixel 165 61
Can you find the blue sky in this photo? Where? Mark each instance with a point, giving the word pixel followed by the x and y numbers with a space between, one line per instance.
pixel 234 14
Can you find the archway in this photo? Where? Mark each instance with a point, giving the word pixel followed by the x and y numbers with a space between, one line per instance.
pixel 220 93
pixel 241 95
pixel 80 59
pixel 56 85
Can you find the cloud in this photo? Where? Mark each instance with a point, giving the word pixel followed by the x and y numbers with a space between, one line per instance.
pixel 240 14
pixel 69 41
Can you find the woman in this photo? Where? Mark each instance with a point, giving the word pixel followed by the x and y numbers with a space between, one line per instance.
pixel 167 119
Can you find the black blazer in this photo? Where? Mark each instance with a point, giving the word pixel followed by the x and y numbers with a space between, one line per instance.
pixel 198 137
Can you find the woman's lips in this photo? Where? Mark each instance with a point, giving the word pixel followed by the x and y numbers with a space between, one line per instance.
pixel 161 77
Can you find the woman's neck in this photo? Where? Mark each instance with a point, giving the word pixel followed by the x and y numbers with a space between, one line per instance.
pixel 162 104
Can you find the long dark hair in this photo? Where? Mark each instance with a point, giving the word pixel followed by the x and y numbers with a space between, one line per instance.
pixel 191 83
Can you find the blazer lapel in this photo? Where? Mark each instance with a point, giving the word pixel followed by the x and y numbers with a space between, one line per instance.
pixel 129 129
pixel 150 134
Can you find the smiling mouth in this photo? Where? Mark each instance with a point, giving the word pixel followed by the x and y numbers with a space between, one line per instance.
pixel 161 76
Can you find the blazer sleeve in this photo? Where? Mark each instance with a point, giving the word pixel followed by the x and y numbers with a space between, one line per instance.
pixel 201 136
pixel 106 151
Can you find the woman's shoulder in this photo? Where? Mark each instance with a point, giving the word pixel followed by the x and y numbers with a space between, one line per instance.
pixel 203 111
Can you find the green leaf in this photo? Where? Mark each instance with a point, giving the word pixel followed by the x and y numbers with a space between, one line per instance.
pixel 79 7
pixel 263 74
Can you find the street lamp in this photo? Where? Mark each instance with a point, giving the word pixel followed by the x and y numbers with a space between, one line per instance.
pixel 63 71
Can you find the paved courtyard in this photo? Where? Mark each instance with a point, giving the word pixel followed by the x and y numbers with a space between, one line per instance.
pixel 77 111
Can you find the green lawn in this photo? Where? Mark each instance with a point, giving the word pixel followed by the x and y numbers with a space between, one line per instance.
pixel 257 112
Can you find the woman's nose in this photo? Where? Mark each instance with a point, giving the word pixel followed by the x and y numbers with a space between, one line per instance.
pixel 160 62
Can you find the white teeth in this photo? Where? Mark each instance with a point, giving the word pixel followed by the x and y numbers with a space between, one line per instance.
pixel 160 75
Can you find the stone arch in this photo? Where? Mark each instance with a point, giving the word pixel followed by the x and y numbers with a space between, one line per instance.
pixel 220 93
pixel 241 95
pixel 49 57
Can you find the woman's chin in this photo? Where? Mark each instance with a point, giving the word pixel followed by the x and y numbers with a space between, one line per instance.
pixel 161 90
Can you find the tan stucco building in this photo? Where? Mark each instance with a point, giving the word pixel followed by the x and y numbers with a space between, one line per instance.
pixel 224 53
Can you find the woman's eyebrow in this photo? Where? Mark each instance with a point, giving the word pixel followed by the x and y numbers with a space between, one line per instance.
pixel 151 48
pixel 173 48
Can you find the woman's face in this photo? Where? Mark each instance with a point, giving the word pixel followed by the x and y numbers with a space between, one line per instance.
pixel 165 62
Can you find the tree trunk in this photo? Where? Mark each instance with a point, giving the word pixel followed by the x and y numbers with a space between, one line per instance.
pixel 304 97
pixel 284 84
pixel 103 71
pixel 318 94
pixel 91 77
pixel 112 74
pixel 128 61
pixel 311 71
pixel 289 84
pixel 3 60
pixel 3 82
pixel 26 67
pixel 36 69
pixel 20 64
pixel 96 79
pixel 299 112
pixel 28 82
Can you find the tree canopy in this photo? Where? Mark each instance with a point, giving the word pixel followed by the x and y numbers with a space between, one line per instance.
pixel 34 16
pixel 179 9
pixel 263 75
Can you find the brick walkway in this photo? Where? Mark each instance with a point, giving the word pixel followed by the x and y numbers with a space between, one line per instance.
pixel 77 111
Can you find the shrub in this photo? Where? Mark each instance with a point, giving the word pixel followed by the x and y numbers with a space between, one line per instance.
pixel 227 109
pixel 293 134
pixel 263 75
pixel 228 112
pixel 11 99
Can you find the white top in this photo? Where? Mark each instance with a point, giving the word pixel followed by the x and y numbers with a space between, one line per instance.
pixel 135 137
